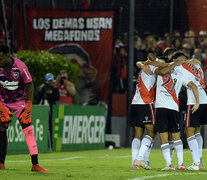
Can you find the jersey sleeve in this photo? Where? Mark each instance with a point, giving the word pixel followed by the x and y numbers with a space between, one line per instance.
pixel 153 68
pixel 25 74
pixel 186 77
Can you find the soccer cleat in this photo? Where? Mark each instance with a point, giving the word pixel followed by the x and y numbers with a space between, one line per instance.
pixel 148 163
pixel 38 168
pixel 201 164
pixel 180 167
pixel 168 168
pixel 142 164
pixel 135 167
pixel 194 167
pixel 2 166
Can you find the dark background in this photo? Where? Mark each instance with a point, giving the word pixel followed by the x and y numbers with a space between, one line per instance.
pixel 150 15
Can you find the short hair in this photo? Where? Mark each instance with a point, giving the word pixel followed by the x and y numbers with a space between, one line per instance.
pixel 164 58
pixel 4 48
pixel 169 51
pixel 178 54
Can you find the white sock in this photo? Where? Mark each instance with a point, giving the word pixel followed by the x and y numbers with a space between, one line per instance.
pixel 172 149
pixel 193 145
pixel 199 140
pixel 147 154
pixel 145 145
pixel 166 153
pixel 179 150
pixel 135 148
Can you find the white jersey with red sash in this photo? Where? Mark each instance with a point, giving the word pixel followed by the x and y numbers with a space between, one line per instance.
pixel 196 74
pixel 168 88
pixel 145 88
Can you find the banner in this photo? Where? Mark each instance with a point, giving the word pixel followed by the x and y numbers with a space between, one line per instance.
pixel 78 127
pixel 85 37
pixel 16 138
pixel 196 15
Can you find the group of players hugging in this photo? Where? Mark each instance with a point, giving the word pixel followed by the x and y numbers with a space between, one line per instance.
pixel 155 107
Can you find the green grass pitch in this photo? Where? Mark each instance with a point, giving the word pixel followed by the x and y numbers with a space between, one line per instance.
pixel 97 164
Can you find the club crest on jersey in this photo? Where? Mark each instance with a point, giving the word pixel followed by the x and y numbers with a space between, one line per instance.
pixel 15 75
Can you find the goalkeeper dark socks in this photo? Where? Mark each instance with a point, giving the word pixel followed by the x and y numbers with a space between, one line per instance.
pixel 34 159
pixel 3 146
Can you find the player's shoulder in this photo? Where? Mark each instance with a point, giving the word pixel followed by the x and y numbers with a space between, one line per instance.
pixel 19 63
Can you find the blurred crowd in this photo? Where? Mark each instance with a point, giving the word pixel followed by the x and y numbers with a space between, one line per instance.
pixel 194 46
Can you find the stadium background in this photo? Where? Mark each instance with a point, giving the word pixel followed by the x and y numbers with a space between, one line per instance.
pixel 150 17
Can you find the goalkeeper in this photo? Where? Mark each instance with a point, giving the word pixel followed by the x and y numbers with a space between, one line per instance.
pixel 16 94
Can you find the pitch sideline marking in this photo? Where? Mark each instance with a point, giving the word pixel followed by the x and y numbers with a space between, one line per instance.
pixel 163 175
pixel 62 159
pixel 69 158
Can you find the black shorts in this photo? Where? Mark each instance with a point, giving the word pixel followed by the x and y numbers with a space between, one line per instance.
pixel 141 114
pixel 167 120
pixel 196 119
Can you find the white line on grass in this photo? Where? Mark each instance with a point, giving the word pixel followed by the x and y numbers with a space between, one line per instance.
pixel 78 157
pixel 62 159
pixel 163 175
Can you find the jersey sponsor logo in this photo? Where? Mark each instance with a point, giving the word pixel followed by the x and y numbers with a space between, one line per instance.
pixel 13 85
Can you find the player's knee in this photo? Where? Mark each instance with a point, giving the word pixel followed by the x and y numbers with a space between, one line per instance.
pixel 164 138
pixel 25 125
pixel 197 130
pixel 151 134
pixel 189 132
pixel 150 131
pixel 138 135
pixel 176 136
pixel 138 132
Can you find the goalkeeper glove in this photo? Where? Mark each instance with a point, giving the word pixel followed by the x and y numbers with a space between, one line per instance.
pixel 5 114
pixel 25 116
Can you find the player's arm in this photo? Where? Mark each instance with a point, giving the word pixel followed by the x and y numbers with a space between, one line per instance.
pixel 144 67
pixel 195 92
pixel 152 60
pixel 25 116
pixel 192 62
pixel 29 90
pixel 164 70
pixel 156 63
